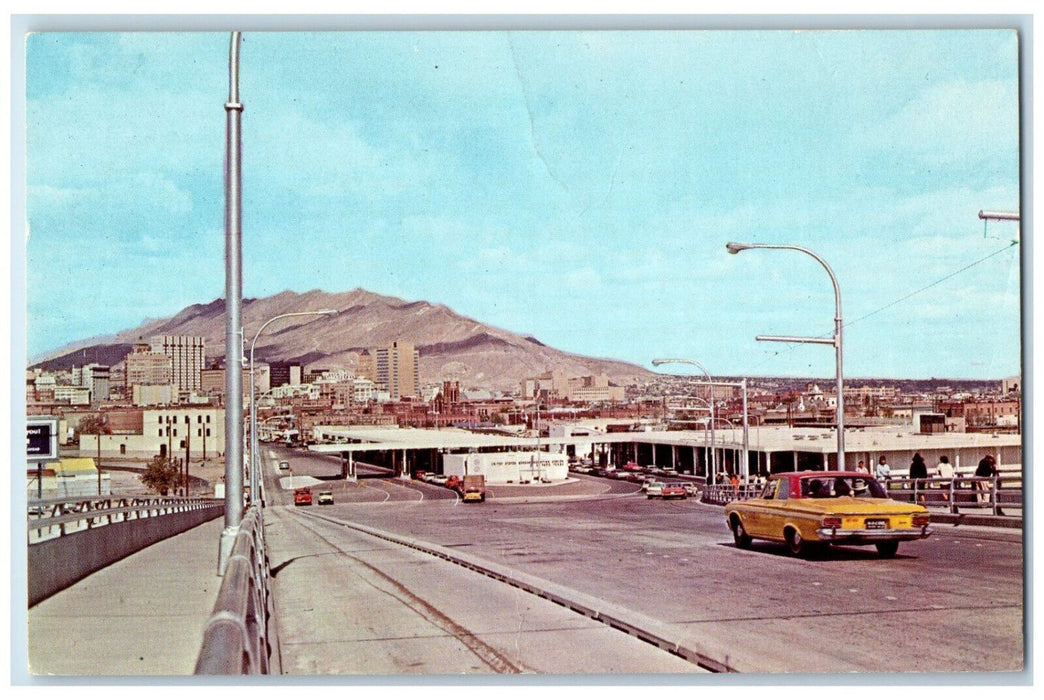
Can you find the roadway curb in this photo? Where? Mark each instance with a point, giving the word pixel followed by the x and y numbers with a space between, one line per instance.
pixel 648 630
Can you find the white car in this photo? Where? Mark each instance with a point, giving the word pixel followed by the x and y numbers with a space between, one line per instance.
pixel 653 489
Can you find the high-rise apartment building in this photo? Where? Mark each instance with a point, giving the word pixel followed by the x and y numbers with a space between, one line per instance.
pixel 398 369
pixel 187 355
pixel 143 366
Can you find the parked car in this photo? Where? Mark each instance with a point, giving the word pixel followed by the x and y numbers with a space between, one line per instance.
pixel 439 479
pixel 325 498
pixel 692 489
pixel 811 510
pixel 303 496
pixel 653 489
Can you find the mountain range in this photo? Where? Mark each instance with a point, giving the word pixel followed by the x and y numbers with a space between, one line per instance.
pixel 451 346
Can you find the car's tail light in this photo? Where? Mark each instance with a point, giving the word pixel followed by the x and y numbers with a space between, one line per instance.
pixel 921 519
pixel 831 522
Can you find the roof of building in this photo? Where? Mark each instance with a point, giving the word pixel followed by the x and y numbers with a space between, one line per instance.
pixel 875 440
pixel 72 465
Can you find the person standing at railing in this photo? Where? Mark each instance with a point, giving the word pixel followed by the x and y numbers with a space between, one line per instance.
pixel 987 469
pixel 918 473
pixel 944 470
pixel 882 471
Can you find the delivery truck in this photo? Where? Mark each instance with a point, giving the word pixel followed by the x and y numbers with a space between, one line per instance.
pixel 474 488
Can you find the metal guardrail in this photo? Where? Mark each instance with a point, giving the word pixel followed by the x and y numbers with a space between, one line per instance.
pixel 960 492
pixel 720 494
pixel 57 517
pixel 990 493
pixel 236 639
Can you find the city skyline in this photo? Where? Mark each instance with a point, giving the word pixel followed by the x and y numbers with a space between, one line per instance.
pixel 578 187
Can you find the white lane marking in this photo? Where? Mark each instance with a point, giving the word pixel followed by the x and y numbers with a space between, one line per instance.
pixel 387 495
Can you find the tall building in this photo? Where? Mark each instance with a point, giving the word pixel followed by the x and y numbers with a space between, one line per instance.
pixel 187 355
pixel 398 369
pixel 283 373
pixel 143 366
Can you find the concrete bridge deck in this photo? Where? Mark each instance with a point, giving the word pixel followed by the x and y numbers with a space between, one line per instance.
pixel 144 615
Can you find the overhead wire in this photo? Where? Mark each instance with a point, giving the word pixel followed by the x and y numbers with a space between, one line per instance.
pixel 900 299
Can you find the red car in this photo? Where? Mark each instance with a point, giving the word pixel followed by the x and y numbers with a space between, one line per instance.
pixel 673 491
pixel 303 496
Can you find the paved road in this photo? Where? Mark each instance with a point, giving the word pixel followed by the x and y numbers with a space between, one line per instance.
pixel 947 604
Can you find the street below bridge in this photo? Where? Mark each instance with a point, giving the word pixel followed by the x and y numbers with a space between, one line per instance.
pixel 349 603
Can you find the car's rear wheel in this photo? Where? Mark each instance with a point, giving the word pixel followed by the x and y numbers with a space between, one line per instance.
pixel 739 534
pixel 796 544
pixel 887 550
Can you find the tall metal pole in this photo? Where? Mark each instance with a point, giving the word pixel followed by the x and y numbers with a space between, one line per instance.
pixel 710 383
pixel 233 310
pixel 254 462
pixel 746 432
pixel 836 341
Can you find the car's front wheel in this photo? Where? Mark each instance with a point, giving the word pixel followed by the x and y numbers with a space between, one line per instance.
pixel 739 534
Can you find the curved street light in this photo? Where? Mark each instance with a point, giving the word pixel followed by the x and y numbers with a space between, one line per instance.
pixel 706 448
pixel 836 341
pixel 710 382
pixel 253 409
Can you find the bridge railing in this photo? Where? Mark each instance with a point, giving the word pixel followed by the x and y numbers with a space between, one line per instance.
pixel 721 494
pixel 236 638
pixel 960 492
pixel 56 517
pixel 992 493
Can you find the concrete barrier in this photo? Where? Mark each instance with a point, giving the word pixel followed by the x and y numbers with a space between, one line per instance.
pixel 56 564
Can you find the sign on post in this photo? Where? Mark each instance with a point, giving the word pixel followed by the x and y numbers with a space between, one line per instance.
pixel 41 444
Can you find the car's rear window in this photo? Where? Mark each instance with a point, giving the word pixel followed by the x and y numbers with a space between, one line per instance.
pixel 837 486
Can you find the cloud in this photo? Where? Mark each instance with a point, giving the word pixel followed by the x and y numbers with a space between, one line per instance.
pixel 961 123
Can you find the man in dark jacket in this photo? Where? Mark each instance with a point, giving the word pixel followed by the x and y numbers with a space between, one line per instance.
pixel 918 472
pixel 987 468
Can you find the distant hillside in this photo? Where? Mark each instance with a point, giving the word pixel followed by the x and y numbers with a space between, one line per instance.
pixel 451 346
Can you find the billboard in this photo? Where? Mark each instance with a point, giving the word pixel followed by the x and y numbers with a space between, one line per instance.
pixel 41 443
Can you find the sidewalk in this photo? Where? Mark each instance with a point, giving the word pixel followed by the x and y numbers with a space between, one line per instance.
pixel 969 515
pixel 142 616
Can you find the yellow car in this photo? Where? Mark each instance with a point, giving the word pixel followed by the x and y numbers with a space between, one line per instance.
pixel 810 510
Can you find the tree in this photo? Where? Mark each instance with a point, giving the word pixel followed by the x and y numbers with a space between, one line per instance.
pixel 92 425
pixel 161 475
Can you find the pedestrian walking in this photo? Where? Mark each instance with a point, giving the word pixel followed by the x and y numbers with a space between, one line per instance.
pixel 882 471
pixel 944 470
pixel 918 473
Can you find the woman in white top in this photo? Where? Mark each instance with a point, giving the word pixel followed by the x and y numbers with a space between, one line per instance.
pixel 944 470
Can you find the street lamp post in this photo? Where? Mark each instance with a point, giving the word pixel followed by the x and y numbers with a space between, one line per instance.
pixel 710 383
pixel 253 409
pixel 233 311
pixel 836 341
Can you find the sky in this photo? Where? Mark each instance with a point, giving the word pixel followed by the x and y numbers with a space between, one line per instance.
pixel 579 187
